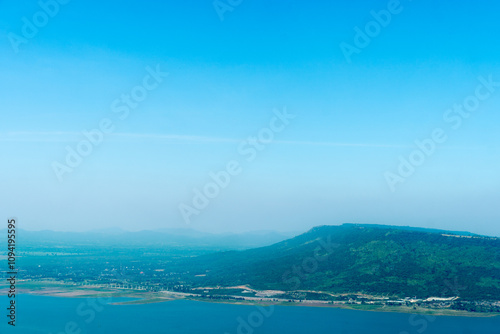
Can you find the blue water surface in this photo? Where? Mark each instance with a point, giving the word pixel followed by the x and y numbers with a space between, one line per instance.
pixel 57 315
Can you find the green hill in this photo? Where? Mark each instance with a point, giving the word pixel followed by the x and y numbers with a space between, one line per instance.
pixel 376 260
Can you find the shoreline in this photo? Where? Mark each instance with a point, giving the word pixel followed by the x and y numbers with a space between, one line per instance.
pixel 62 290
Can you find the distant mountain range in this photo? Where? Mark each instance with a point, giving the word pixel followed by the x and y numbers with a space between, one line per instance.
pixel 174 238
pixel 371 259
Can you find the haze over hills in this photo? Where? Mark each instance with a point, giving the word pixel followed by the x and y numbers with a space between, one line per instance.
pixel 179 238
pixel 350 258
pixel 379 260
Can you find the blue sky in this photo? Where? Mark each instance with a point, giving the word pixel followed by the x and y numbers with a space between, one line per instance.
pixel 353 119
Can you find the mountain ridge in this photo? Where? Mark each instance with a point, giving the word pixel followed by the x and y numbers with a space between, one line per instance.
pixel 361 259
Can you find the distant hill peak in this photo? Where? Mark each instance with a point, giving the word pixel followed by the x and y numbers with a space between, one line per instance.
pixel 392 227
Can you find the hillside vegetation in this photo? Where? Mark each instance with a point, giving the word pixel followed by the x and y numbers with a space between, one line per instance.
pixel 376 260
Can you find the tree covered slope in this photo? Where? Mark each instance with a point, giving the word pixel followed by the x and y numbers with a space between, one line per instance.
pixel 377 260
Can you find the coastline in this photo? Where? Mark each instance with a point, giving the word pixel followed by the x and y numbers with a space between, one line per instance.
pixel 57 289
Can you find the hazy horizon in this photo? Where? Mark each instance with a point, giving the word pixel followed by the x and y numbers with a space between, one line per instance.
pixel 286 233
pixel 175 115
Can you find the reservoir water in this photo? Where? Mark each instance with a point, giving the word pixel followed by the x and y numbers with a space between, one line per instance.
pixel 56 315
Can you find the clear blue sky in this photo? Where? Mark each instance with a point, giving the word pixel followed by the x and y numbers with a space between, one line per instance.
pixel 353 119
